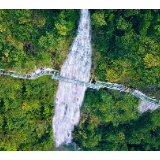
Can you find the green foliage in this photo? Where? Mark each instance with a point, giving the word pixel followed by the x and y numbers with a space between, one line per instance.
pixel 122 24
pixel 111 76
pixel 131 12
pixel 26 109
pixel 31 38
pixel 150 61
pixel 98 18
pixel 129 51
pixel 144 27
pixel 111 122
pixel 27 33
pixel 125 46
pixel 44 56
pixel 128 47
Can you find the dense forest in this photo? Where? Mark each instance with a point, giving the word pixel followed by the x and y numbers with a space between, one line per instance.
pixel 124 50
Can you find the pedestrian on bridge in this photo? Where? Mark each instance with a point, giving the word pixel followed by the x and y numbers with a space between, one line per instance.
pixel 4 71
pixel 42 70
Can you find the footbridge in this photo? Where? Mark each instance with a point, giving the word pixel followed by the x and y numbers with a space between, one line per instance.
pixel 55 75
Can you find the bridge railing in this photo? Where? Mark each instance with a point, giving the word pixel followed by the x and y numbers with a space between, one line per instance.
pixel 110 85
pixel 97 85
pixel 29 76
pixel 144 97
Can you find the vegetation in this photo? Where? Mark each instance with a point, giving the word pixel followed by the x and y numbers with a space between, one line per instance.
pixel 110 121
pixel 31 38
pixel 26 111
pixel 125 47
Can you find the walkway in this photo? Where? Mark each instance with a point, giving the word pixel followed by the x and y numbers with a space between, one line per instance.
pixel 55 75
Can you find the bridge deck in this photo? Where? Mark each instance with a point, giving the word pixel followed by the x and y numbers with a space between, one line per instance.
pixel 97 85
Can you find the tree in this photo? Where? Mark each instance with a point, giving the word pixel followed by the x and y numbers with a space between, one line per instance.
pixel 122 24
pixel 98 18
pixel 112 76
pixel 150 61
